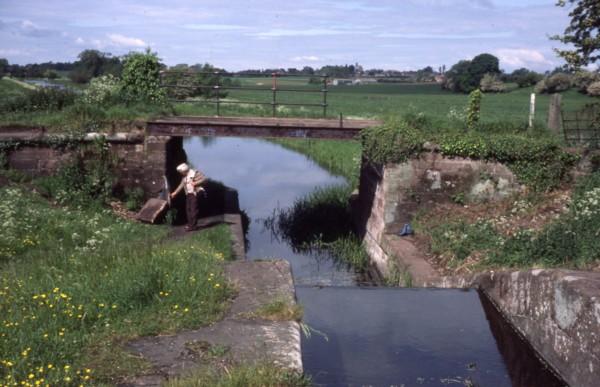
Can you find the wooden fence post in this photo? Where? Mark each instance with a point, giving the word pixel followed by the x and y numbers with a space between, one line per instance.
pixel 554 114
pixel 531 110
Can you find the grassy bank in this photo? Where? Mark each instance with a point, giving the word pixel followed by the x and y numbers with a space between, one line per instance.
pixel 557 229
pixel 341 158
pixel 76 283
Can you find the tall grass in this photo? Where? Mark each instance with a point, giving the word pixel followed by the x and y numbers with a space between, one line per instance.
pixel 76 283
pixel 341 158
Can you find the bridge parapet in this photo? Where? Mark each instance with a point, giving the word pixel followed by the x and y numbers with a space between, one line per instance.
pixel 343 129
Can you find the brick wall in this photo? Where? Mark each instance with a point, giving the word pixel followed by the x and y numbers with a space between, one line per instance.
pixel 142 161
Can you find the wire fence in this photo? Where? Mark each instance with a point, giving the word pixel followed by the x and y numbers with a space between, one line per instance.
pixel 582 128
pixel 212 86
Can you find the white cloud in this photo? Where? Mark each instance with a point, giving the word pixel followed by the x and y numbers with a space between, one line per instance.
pixel 281 32
pixel 79 40
pixel 126 41
pixel 521 57
pixel 214 27
pixel 306 58
pixel 475 35
pixel 13 51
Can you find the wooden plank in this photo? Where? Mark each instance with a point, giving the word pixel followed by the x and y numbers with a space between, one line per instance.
pixel 152 210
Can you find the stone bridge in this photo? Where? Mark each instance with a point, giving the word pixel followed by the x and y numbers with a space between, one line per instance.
pixel 344 129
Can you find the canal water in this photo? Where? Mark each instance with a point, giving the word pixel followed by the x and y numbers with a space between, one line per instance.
pixel 366 336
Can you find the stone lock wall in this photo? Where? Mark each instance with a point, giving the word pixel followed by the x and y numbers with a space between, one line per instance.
pixel 142 161
pixel 557 311
pixel 391 195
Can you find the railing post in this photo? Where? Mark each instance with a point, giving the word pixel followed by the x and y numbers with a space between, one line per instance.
pixel 274 88
pixel 324 91
pixel 217 89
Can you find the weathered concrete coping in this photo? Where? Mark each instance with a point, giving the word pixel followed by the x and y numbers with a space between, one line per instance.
pixel 250 339
pixel 557 311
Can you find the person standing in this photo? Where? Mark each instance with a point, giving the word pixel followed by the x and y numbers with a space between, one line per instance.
pixel 191 184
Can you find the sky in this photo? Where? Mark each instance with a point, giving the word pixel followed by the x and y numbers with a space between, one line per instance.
pixel 243 34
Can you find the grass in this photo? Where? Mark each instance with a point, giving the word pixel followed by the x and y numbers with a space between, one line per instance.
pixel 509 240
pixel 382 100
pixel 341 158
pixel 368 101
pixel 279 310
pixel 262 375
pixel 75 284
pixel 10 89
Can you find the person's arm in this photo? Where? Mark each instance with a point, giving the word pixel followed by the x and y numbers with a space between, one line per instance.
pixel 199 178
pixel 178 189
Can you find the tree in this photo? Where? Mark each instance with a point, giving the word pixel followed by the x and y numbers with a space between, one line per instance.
pixel 458 78
pixel 465 76
pixel 524 77
pixel 583 33
pixel 3 67
pixel 140 80
pixel 93 63
pixel 484 64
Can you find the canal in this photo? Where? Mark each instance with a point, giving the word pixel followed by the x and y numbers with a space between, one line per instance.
pixel 366 335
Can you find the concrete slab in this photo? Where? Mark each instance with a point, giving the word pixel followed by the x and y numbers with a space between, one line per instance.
pixel 249 340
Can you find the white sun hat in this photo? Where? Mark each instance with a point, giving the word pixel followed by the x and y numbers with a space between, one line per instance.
pixel 183 168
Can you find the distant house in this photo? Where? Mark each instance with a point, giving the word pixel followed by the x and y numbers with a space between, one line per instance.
pixel 364 81
pixel 439 78
pixel 341 81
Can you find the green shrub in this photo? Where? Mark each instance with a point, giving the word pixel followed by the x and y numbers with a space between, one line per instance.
pixel 583 79
pixel 594 89
pixel 491 83
pixel 140 80
pixel 393 142
pixel 554 84
pixel 87 179
pixel 134 198
pixel 538 162
pixel 42 99
pixel 102 90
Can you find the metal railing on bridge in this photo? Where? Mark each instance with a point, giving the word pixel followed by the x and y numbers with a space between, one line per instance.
pixel 215 82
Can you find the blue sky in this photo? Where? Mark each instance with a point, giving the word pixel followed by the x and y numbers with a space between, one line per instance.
pixel 240 34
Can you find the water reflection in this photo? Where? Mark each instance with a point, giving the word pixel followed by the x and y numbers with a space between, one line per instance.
pixel 268 177
pixel 383 337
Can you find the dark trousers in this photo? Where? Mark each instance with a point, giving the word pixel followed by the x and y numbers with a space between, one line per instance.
pixel 191 206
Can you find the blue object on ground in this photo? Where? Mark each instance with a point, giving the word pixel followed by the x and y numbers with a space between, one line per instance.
pixel 406 230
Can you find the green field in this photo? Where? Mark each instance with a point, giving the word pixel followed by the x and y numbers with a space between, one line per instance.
pixel 364 101
pixel 381 100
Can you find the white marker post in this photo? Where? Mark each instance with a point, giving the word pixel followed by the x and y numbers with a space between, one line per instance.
pixel 531 110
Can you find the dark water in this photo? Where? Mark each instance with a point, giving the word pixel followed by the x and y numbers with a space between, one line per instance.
pixel 268 177
pixel 44 83
pixel 411 337
pixel 375 336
